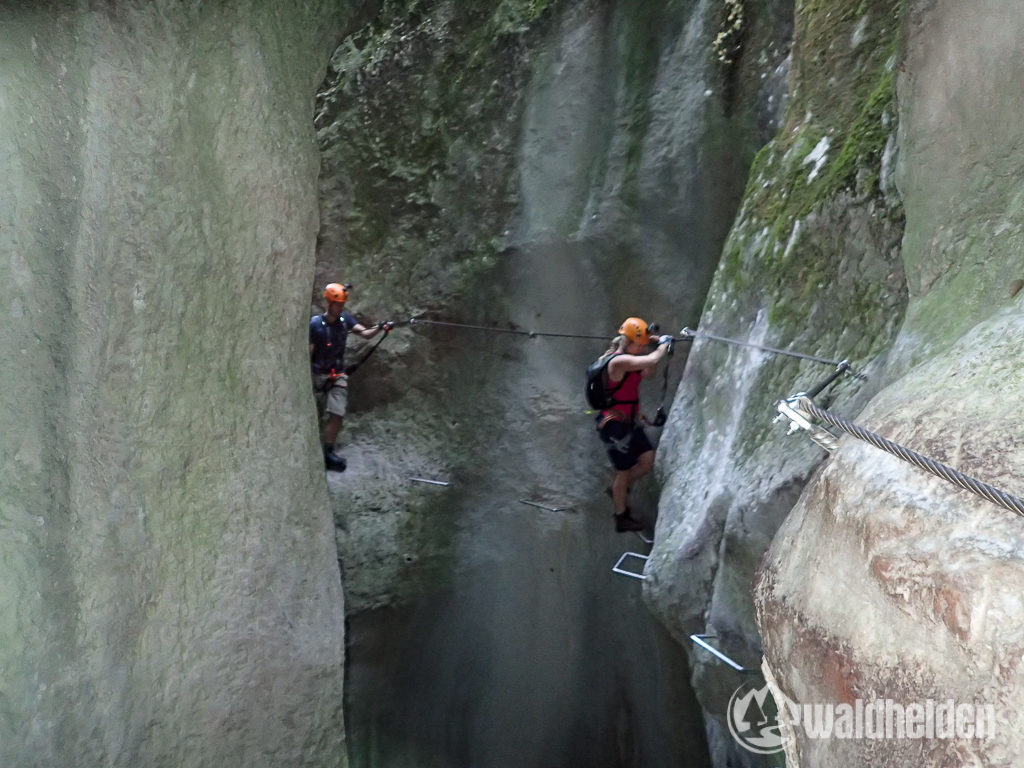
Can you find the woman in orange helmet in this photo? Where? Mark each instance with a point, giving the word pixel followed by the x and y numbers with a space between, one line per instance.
pixel 619 427
pixel 328 335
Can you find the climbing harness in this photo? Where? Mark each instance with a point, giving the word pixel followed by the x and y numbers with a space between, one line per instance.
pixel 802 412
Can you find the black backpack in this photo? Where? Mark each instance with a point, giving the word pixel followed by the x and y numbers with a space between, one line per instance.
pixel 599 395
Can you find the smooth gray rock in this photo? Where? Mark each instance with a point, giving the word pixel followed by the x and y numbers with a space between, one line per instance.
pixel 886 582
pixel 170 589
pixel 811 265
pixel 572 170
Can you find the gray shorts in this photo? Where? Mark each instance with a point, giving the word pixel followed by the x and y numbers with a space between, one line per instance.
pixel 336 393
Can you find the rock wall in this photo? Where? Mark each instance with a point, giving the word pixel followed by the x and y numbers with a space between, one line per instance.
pixel 917 597
pixel 466 208
pixel 549 167
pixel 170 589
pixel 811 265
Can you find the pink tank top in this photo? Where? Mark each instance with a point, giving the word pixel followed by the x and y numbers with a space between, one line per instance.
pixel 627 396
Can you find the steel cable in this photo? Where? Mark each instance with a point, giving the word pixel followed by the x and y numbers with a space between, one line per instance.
pixel 687 333
pixel 984 490
pixel 514 331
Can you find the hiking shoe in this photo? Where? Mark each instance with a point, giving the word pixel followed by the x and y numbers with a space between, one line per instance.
pixel 333 461
pixel 626 522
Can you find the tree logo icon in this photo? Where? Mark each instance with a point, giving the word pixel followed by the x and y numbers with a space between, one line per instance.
pixel 754 719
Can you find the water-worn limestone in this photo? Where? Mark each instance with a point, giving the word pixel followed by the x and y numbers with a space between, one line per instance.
pixel 886 582
pixel 812 265
pixel 170 589
pixel 580 168
pixel 916 596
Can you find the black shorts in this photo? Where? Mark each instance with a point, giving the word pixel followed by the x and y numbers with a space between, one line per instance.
pixel 625 443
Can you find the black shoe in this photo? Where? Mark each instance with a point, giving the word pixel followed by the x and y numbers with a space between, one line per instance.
pixel 626 522
pixel 333 461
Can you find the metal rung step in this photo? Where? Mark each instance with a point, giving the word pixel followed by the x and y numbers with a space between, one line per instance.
pixel 617 568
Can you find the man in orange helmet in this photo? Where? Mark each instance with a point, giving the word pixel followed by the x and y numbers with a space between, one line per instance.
pixel 328 335
pixel 618 425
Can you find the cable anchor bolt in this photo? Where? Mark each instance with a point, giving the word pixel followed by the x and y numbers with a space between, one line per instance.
pixel 791 408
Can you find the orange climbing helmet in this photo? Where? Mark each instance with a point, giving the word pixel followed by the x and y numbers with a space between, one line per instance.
pixel 336 292
pixel 636 330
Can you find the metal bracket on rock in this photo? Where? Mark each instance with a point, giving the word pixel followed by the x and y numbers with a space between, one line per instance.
pixel 799 418
pixel 545 507
pixel 617 568
pixel 701 640
pixel 443 483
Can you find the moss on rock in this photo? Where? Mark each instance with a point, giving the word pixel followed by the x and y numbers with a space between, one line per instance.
pixel 812 265
pixel 420 113
pixel 840 118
